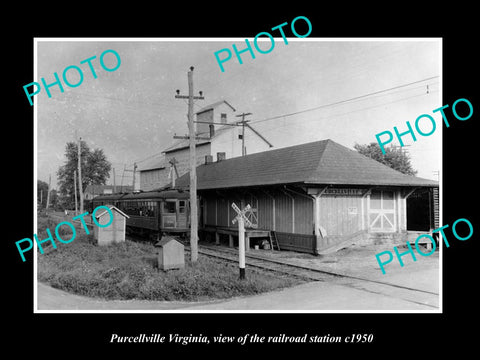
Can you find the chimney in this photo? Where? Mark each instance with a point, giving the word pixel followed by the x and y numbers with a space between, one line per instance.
pixel 220 156
pixel 208 159
pixel 212 130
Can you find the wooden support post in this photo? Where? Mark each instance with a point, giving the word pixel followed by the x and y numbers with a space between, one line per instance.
pixel 134 173
pixel 316 220
pixel 230 240
pixel 75 187
pixel 193 166
pixel 193 174
pixel 48 191
pixel 114 183
pixel 365 219
pixel 316 223
pixel 398 209
pixel 247 243
pixel 217 238
pixel 80 183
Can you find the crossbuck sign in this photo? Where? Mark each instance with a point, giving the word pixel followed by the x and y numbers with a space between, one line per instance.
pixel 242 219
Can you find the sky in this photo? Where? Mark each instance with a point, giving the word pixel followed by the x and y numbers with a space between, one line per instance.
pixel 299 92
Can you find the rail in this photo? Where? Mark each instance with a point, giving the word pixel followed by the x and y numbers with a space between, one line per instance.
pixel 311 274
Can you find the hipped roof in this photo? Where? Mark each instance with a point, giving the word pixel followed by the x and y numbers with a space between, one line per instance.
pixel 317 163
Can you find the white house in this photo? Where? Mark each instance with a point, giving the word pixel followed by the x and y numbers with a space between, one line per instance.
pixel 221 138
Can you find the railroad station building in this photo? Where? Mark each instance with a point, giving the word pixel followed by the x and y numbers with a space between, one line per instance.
pixel 314 197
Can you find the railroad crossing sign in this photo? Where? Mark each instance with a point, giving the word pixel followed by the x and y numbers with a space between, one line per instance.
pixel 241 213
pixel 241 218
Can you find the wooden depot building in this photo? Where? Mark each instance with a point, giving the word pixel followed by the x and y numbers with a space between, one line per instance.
pixel 313 197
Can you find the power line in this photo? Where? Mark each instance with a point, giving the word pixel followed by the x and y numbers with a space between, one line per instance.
pixel 344 101
pixel 277 127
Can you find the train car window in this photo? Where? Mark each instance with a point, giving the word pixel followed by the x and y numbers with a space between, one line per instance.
pixel 151 208
pixel 169 206
pixel 181 206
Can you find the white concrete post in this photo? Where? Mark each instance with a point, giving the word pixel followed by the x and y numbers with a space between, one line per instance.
pixel 241 247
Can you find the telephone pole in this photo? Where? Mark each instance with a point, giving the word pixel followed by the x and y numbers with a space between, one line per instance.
pixel 75 187
pixel 80 190
pixel 123 174
pixel 243 122
pixel 48 191
pixel 114 186
pixel 134 172
pixel 193 167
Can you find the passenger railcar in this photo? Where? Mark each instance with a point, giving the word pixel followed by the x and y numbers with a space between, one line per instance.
pixel 152 213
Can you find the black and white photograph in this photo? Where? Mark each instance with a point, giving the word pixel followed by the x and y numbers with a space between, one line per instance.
pixel 293 196
pixel 210 181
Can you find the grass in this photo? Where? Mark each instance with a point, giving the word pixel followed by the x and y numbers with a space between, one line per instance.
pixel 128 271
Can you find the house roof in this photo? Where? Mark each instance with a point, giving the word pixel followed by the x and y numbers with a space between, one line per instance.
pixel 322 162
pixel 152 164
pixel 184 143
pixel 214 105
pixel 167 239
pixel 111 207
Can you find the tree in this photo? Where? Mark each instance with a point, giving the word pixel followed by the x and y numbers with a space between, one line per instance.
pixel 53 199
pixel 42 191
pixel 394 157
pixel 95 169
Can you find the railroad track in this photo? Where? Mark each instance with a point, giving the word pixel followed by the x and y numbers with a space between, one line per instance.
pixel 264 264
pixel 418 296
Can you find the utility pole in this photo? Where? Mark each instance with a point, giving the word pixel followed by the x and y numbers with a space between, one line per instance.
pixel 114 184
pixel 243 122
pixel 123 174
pixel 48 191
pixel 75 187
pixel 80 190
pixel 134 172
pixel 193 167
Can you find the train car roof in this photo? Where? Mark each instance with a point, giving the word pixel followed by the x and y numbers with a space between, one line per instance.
pixel 109 196
pixel 165 194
